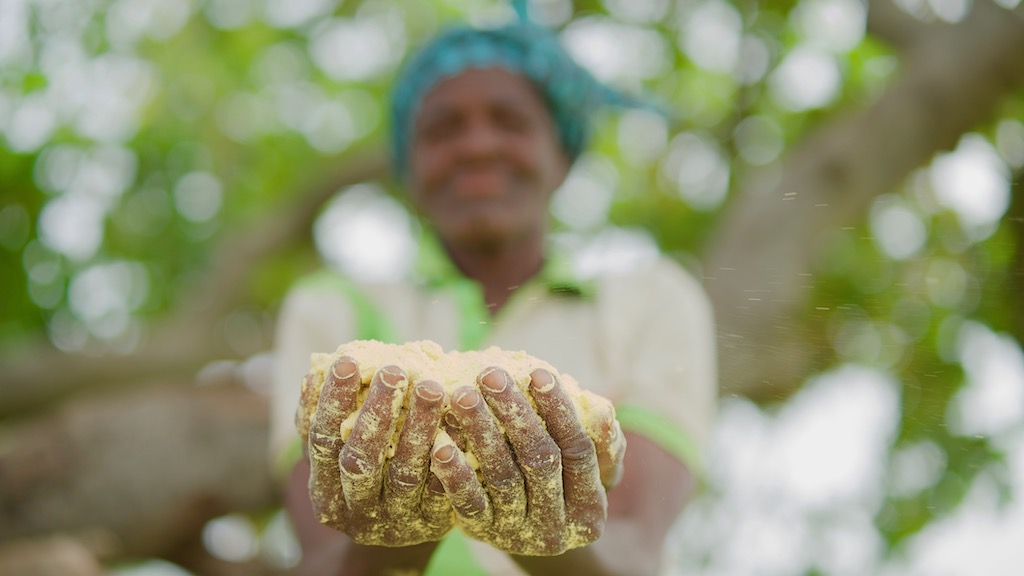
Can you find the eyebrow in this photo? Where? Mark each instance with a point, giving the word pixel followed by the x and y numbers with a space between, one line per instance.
pixel 502 102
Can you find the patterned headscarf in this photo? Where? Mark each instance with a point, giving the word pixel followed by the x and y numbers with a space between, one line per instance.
pixel 572 94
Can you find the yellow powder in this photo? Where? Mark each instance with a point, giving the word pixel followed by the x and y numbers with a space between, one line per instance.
pixel 426 360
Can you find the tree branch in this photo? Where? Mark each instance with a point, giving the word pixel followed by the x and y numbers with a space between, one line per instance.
pixel 186 339
pixel 890 23
pixel 141 472
pixel 761 258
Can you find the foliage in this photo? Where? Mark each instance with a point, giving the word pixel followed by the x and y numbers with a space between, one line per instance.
pixel 141 133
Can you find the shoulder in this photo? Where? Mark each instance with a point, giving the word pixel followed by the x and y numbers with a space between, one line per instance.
pixel 657 280
pixel 331 283
pixel 327 290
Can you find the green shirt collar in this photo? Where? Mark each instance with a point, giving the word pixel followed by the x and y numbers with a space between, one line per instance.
pixel 435 268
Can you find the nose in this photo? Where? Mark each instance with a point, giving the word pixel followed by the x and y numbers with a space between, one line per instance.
pixel 481 140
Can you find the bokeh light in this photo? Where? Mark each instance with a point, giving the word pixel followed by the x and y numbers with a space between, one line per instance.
pixel 973 181
pixel 615 52
pixel 366 234
pixel 583 200
pixel 807 78
pixel 896 228
pixel 696 164
pixel 712 36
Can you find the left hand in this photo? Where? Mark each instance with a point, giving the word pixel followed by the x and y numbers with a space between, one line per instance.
pixel 354 487
pixel 542 491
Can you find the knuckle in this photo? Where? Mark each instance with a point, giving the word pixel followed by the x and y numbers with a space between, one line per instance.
pixel 403 478
pixel 551 543
pixel 579 449
pixel 545 459
pixel 321 445
pixel 472 508
pixel 589 526
pixel 354 464
pixel 508 481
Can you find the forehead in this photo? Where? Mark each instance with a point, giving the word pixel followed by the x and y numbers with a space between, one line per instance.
pixel 483 87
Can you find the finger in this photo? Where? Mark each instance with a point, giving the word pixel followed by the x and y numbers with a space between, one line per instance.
pixel 436 507
pixel 362 458
pixel 308 395
pixel 585 499
pixel 609 441
pixel 337 398
pixel 535 450
pixel 408 469
pixel 333 405
pixel 454 429
pixel 503 479
pixel 467 496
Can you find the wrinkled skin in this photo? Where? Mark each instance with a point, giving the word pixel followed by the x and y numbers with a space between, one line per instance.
pixel 353 487
pixel 544 480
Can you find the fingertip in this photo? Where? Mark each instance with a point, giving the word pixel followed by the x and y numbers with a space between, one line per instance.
pixel 444 454
pixel 494 380
pixel 429 391
pixel 466 398
pixel 450 419
pixel 392 376
pixel 344 368
pixel 542 381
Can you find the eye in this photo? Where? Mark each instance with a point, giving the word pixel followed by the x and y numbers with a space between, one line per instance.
pixel 512 119
pixel 438 127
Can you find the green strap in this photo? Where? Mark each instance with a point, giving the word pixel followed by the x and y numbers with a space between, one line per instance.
pixel 371 323
pixel 474 321
pixel 663 432
pixel 453 558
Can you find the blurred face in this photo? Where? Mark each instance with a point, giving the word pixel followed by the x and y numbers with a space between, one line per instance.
pixel 485 159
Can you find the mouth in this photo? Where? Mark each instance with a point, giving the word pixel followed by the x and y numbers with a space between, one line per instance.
pixel 481 182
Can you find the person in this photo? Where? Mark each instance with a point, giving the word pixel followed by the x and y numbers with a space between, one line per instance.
pixel 486 124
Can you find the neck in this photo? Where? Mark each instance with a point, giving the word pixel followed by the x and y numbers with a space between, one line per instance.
pixel 500 270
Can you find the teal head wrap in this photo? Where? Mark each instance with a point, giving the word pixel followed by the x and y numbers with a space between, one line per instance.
pixel 572 94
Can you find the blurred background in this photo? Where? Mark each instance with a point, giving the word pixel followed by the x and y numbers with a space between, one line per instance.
pixel 844 176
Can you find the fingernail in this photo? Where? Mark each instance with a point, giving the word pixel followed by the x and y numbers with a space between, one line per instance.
pixel 308 381
pixel 495 380
pixel 468 399
pixel 428 392
pixel 445 453
pixel 350 369
pixel 451 420
pixel 541 380
pixel 397 377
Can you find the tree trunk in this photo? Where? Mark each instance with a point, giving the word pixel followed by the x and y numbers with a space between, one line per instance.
pixel 142 471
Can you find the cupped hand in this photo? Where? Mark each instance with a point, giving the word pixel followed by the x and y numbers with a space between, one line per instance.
pixel 354 486
pixel 542 486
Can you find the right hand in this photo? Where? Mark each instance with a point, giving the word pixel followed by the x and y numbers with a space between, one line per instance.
pixel 353 486
pixel 544 478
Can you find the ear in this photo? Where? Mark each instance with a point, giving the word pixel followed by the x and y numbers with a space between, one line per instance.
pixel 563 166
